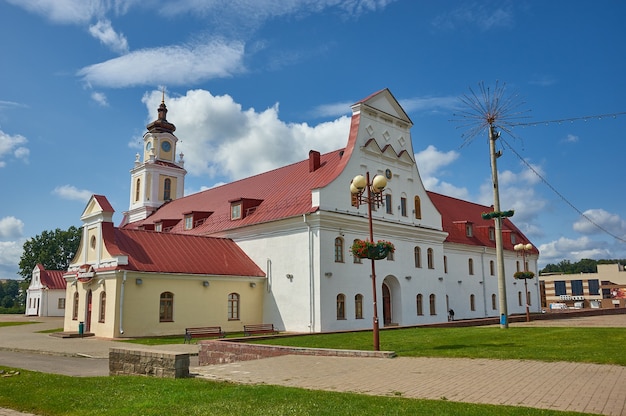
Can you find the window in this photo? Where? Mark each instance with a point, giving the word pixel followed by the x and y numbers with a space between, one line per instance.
pixel 388 206
pixel 577 287
pixel 528 297
pixel 519 298
pixel 469 230
pixel 492 233
pixel 390 256
pixel 358 306
pixel 233 306
pixel 92 242
pixel 166 309
pixel 420 304
pixel 445 264
pixel 235 211
pixel 559 288
pixel 61 303
pixel 472 303
pixel 431 260
pixel 493 302
pixel 75 307
pixel 403 206
pixel 517 266
pixel 417 207
pixel 188 222
pixel 158 227
pixel 492 268
pixel 356 259
pixel 167 189
pixel 433 311
pixel 137 188
pixel 338 250
pixel 513 239
pixel 594 287
pixel 417 252
pixel 103 303
pixel 341 306
pixel 470 266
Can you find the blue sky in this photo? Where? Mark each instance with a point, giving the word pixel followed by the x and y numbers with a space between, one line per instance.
pixel 255 84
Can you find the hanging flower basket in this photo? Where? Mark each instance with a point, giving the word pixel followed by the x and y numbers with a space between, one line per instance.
pixel 369 250
pixel 524 275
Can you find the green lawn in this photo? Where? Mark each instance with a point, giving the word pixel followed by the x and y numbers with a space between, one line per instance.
pixel 133 395
pixel 592 345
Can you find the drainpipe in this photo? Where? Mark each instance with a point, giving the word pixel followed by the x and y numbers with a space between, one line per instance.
pixel 311 278
pixel 122 304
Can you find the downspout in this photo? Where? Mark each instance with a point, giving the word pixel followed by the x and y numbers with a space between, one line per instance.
pixel 122 304
pixel 311 277
pixel 482 263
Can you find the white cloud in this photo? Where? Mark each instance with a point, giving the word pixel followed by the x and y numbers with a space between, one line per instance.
pixel 222 140
pixel 430 164
pixel 64 11
pixel 608 221
pixel 573 250
pixel 104 32
pixel 10 253
pixel 11 227
pixel 72 193
pixel 571 138
pixel 170 65
pixel 484 16
pixel 12 146
pixel 100 98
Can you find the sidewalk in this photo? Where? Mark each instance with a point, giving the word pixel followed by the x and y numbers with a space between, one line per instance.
pixel 589 388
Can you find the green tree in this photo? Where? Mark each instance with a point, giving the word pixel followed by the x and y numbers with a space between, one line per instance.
pixel 53 249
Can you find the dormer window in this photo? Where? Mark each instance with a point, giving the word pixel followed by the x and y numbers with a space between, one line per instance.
pixel 158 227
pixel 513 240
pixel 188 222
pixel 469 229
pixel 492 233
pixel 235 211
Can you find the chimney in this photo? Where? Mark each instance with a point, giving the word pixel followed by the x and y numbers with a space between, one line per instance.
pixel 314 160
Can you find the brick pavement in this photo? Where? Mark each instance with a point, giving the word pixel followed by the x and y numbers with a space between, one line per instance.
pixel 590 388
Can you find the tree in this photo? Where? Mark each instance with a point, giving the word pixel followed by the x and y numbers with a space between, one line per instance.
pixel 53 249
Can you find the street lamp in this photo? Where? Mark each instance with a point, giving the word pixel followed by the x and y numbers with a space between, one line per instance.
pixel 523 248
pixel 374 196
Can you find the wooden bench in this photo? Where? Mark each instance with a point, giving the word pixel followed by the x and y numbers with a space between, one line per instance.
pixel 258 329
pixel 204 332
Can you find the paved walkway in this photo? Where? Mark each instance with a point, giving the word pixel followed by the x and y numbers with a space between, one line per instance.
pixel 589 388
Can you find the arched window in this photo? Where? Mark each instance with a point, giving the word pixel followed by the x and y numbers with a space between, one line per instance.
pixel 433 310
pixel 233 306
pixel 75 307
pixel 356 259
pixel 341 306
pixel 519 298
pixel 167 189
pixel 492 269
pixel 388 203
pixel 137 188
pixel 493 302
pixel 420 304
pixel 418 207
pixel 517 266
pixel 470 266
pixel 358 306
pixel 431 259
pixel 103 304
pixel 472 303
pixel 529 302
pixel 338 250
pixel 166 309
pixel 445 264
pixel 417 253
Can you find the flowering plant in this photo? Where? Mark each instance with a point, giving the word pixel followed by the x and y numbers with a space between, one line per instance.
pixel 365 249
pixel 524 275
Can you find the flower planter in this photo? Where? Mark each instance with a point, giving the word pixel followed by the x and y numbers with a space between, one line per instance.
pixel 364 249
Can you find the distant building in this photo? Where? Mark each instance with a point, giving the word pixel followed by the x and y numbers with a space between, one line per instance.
pixel 275 247
pixel 45 295
pixel 604 289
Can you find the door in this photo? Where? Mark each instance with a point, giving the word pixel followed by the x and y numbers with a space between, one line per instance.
pixel 88 320
pixel 386 305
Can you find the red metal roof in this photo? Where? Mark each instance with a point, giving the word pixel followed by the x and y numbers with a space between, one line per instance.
pixel 52 279
pixel 456 213
pixel 151 251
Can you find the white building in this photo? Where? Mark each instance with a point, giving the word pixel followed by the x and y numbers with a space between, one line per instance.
pixel 45 295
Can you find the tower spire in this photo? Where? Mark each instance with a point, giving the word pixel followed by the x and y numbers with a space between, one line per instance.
pixel 161 124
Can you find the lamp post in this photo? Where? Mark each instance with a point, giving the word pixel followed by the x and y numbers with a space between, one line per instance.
pixel 374 196
pixel 523 248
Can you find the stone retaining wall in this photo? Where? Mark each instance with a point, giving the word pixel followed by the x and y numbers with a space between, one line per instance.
pixel 223 351
pixel 148 363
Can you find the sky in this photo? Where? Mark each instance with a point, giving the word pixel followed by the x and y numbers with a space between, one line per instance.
pixel 252 85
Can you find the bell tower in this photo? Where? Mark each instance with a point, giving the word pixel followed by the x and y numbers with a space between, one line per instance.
pixel 157 178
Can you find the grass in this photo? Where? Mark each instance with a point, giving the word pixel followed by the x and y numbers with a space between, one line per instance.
pixel 134 395
pixel 590 345
pixel 3 324
pixel 173 339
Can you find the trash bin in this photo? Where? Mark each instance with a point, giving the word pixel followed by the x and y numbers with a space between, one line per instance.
pixel 81 328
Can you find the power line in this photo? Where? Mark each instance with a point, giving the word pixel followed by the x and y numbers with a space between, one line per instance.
pixel 528 165
pixel 571 120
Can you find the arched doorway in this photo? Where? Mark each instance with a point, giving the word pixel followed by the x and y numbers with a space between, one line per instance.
pixel 88 319
pixel 386 305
